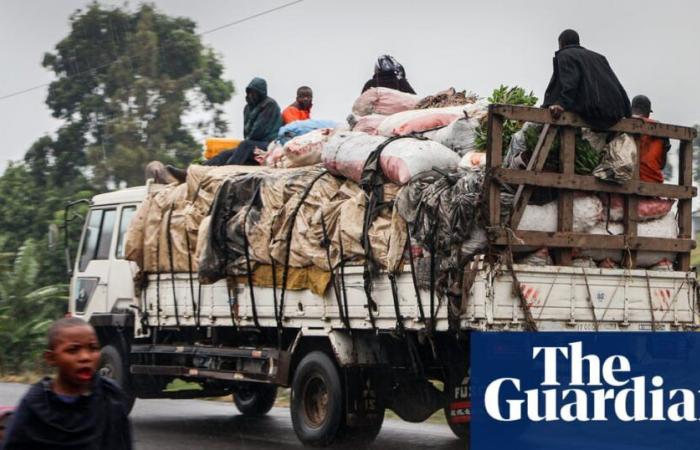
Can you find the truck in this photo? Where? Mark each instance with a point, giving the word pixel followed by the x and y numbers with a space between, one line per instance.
pixel 348 359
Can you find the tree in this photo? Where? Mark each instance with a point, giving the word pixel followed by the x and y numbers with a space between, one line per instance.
pixel 25 310
pixel 125 82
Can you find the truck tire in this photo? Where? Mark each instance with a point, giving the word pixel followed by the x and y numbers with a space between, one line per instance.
pixel 112 366
pixel 461 430
pixel 317 409
pixel 255 399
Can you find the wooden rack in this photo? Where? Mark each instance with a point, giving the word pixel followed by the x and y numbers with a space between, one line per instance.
pixel 566 182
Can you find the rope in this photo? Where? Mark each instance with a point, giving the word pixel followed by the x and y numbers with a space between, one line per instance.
pixel 342 276
pixel 590 299
pixel 651 305
pixel 530 324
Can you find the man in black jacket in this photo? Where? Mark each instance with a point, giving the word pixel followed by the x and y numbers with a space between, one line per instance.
pixel 583 82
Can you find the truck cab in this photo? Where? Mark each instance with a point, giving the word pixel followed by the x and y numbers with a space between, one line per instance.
pixel 101 285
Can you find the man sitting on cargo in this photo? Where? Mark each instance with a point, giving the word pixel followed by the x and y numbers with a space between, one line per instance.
pixel 301 108
pixel 652 150
pixel 390 74
pixel 583 82
pixel 261 122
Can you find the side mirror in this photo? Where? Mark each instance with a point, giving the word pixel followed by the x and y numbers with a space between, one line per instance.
pixel 67 218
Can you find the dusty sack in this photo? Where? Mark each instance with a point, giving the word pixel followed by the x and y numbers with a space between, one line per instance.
pixel 345 154
pixel 381 100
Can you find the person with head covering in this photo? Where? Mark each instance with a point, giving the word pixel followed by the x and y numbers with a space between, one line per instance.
pixel 390 74
pixel 583 82
pixel 261 122
pixel 301 108
pixel 652 150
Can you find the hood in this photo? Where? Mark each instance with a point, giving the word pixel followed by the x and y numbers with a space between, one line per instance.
pixel 258 85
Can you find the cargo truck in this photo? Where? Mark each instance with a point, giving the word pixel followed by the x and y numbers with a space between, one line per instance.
pixel 348 359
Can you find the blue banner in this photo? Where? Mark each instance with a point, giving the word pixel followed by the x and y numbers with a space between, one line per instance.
pixel 585 391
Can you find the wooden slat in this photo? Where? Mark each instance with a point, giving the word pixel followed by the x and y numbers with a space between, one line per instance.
pixel 592 184
pixel 565 209
pixel 685 220
pixel 536 163
pixel 631 210
pixel 494 157
pixel 598 241
pixel 542 115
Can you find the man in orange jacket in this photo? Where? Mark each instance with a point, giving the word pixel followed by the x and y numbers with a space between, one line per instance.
pixel 652 150
pixel 301 108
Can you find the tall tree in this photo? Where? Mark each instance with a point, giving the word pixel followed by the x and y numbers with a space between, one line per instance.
pixel 125 81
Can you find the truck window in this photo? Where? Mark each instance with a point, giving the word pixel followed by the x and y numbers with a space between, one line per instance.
pixel 98 236
pixel 104 240
pixel 127 214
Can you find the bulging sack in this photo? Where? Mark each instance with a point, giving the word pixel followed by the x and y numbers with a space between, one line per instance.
pixel 384 101
pixel 618 161
pixel 306 150
pixel 345 154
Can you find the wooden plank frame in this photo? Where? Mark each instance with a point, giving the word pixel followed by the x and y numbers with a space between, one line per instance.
pixel 565 239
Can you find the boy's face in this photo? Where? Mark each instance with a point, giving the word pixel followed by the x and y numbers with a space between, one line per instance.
pixel 76 355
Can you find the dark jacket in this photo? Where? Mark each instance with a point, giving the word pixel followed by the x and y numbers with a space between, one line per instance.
pixel 262 120
pixel 584 82
pixel 388 80
pixel 97 421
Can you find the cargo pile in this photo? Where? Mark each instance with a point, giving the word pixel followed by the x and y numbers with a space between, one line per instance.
pixel 402 183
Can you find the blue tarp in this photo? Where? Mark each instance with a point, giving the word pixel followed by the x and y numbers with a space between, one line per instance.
pixel 301 127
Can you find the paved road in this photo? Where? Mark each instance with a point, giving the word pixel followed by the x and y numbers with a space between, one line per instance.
pixel 199 424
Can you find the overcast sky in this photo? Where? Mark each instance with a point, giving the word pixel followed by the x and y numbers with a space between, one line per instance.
pixel 332 45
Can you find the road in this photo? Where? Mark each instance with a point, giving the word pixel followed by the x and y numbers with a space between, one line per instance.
pixel 200 424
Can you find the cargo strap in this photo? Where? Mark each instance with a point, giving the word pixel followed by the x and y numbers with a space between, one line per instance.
pixel 400 328
pixel 195 309
pixel 421 312
pixel 326 244
pixel 590 299
pixel 249 269
pixel 372 183
pixel 172 265
pixel 292 220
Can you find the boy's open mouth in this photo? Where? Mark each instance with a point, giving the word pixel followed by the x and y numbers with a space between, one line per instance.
pixel 84 374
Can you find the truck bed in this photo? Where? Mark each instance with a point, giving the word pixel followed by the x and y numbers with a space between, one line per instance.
pixel 559 299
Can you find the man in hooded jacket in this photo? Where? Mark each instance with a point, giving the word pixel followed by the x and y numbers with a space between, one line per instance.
pixel 583 82
pixel 261 122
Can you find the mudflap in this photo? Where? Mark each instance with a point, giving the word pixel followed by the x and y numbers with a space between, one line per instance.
pixel 458 410
pixel 364 402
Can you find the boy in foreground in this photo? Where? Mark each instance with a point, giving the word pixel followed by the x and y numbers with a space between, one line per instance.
pixel 77 409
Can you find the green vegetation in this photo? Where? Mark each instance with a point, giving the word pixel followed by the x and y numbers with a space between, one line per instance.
pixel 506 96
pixel 124 82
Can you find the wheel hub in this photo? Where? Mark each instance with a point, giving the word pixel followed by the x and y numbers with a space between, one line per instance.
pixel 316 399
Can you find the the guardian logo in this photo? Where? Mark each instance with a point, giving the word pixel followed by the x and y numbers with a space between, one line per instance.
pixel 594 390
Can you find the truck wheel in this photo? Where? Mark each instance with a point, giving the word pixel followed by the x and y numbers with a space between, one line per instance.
pixel 461 430
pixel 112 366
pixel 364 433
pixel 255 399
pixel 317 406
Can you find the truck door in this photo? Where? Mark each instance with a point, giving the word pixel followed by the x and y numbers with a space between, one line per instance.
pixel 89 284
pixel 120 293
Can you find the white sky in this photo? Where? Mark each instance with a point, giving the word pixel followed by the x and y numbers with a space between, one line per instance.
pixel 331 45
